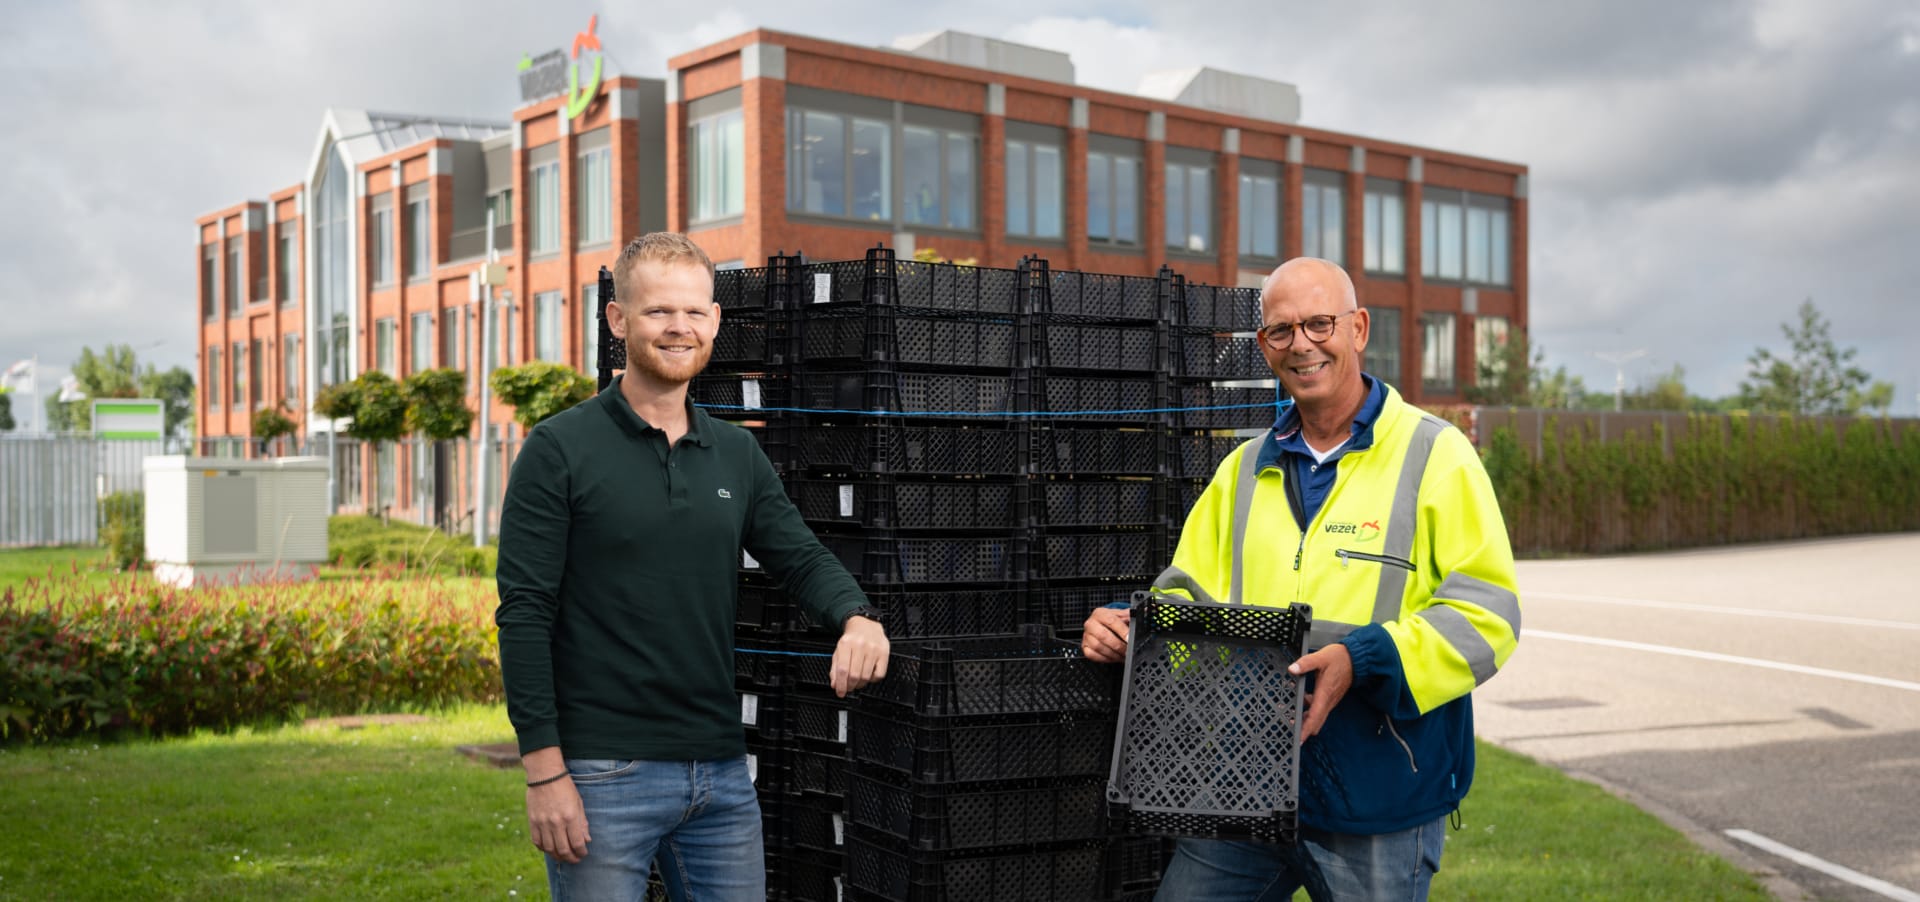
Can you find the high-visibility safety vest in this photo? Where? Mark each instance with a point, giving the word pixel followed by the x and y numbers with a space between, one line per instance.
pixel 1407 563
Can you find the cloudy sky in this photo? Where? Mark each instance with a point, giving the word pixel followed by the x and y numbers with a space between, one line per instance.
pixel 1698 168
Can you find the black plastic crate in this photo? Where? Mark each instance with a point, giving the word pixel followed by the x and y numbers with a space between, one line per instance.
pixel 947 750
pixel 741 396
pixel 816 772
pixel 1182 494
pixel 1090 503
pixel 884 503
pixel 1066 607
pixel 1140 554
pixel 812 823
pixel 949 286
pixel 954 818
pixel 1198 455
pixel 991 449
pixel 889 560
pixel 741 343
pixel 1220 307
pixel 884 336
pixel 838 282
pixel 1130 399
pixel 1219 355
pixel 741 289
pixel 1209 702
pixel 919 614
pixel 764 611
pixel 1207 406
pixel 810 876
pixel 1089 346
pixel 1103 297
pixel 1031 671
pixel 876 865
pixel 1135 864
pixel 925 394
pixel 1066 449
pixel 759 669
pixel 791 716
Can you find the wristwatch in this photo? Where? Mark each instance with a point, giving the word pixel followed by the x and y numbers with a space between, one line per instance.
pixel 866 610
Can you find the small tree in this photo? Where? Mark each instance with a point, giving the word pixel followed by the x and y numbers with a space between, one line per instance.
pixel 270 423
pixel 1817 376
pixel 6 411
pixel 539 390
pixel 437 404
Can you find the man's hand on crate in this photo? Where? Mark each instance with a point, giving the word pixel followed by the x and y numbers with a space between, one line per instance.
pixel 861 655
pixel 1105 636
pixel 1333 675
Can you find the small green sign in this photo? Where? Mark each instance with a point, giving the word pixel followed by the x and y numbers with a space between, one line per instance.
pixel 130 418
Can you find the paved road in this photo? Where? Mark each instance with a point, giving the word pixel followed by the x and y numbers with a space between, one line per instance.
pixel 1770 689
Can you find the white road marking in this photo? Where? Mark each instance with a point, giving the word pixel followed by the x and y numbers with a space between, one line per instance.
pixel 1719 609
pixel 1850 875
pixel 1727 659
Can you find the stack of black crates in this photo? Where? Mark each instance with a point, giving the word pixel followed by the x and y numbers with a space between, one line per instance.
pixel 982 448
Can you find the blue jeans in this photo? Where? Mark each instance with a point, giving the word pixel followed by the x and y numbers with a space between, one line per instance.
pixel 1332 867
pixel 700 817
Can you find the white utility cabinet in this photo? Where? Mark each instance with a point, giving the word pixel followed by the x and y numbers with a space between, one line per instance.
pixel 227 521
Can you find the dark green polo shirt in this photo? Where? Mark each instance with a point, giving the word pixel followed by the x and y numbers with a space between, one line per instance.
pixel 617 575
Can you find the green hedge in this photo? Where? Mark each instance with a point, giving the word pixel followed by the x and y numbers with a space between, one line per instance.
pixel 365 542
pixel 1718 480
pixel 123 529
pixel 135 658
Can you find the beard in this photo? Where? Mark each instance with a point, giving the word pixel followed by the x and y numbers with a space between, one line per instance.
pixel 643 359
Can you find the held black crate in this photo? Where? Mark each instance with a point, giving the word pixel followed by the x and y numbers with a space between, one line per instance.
pixel 954 818
pixel 887 336
pixel 944 750
pixel 1030 672
pixel 879 866
pixel 886 503
pixel 1208 703
pixel 988 449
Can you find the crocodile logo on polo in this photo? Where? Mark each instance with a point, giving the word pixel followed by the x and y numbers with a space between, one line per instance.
pixel 726 494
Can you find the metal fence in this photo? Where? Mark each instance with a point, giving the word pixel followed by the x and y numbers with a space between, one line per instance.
pixel 51 484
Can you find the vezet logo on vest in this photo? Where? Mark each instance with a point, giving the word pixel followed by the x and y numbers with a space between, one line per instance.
pixel 1365 532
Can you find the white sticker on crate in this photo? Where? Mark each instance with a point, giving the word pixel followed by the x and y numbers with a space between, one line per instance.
pixel 750 710
pixel 839 831
pixel 822 287
pixel 839 892
pixel 750 394
pixel 846 501
pixel 843 726
pixel 753 768
pixel 747 562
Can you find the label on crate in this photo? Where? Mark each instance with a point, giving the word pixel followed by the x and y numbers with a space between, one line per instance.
pixel 846 501
pixel 822 287
pixel 750 710
pixel 753 768
pixel 843 726
pixel 839 831
pixel 747 562
pixel 839 892
pixel 750 394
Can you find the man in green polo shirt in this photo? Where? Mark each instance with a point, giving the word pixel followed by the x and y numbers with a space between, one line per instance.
pixel 619 539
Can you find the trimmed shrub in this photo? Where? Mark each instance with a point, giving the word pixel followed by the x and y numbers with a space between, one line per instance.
pixel 364 542
pixel 123 529
pixel 137 658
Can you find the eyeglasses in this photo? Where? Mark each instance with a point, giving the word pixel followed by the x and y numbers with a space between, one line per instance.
pixel 1279 336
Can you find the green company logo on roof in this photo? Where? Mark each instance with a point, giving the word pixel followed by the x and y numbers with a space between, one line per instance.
pixel 540 76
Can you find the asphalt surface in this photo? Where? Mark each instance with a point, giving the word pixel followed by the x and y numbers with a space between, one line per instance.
pixel 1772 690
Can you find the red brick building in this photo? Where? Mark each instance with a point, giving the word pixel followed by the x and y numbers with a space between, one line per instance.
pixel 771 141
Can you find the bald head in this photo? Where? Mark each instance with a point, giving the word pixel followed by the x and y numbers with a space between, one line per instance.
pixel 1310 280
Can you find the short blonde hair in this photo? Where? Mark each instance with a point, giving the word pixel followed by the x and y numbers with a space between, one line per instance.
pixel 655 247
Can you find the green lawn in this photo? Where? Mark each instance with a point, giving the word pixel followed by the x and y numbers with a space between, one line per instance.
pixel 17 565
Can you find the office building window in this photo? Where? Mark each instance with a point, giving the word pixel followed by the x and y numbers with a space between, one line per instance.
pixel 937 176
pixel 719 173
pixel 209 280
pixel 453 342
pixel 543 215
pixel 289 254
pixel 1036 190
pixel 383 346
pixel 333 249
pixel 590 330
pixel 421 337
pixel 290 367
pixel 1260 209
pixel 1465 236
pixel 233 276
pixel 546 326
pixel 1189 205
pixel 1322 215
pixel 419 254
pixel 215 377
pixel 239 363
pixel 1385 227
pixel 1383 344
pixel 839 165
pixel 500 204
pixel 1490 337
pixel 1436 353
pixel 256 373
pixel 593 206
pixel 1113 197
pixel 381 254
